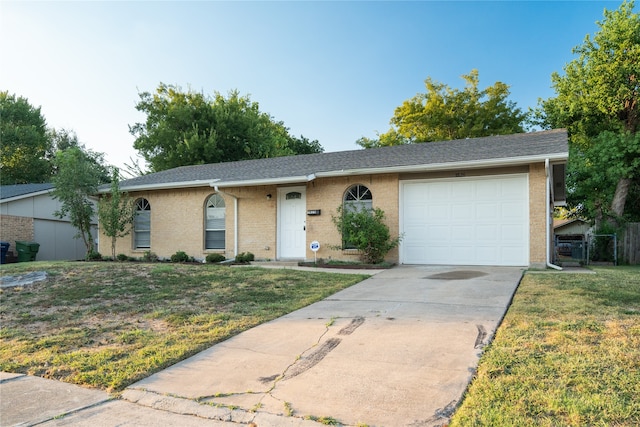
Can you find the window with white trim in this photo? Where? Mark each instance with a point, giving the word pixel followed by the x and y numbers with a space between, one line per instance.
pixel 142 225
pixel 215 223
pixel 357 197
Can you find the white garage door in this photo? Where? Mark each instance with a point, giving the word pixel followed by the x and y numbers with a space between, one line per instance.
pixel 466 221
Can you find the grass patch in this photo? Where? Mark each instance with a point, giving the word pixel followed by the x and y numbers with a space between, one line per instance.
pixel 567 354
pixel 107 325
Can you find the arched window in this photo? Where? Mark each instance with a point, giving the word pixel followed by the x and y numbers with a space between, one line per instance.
pixel 356 198
pixel 142 225
pixel 214 223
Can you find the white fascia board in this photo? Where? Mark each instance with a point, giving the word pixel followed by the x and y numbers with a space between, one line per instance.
pixel 26 196
pixel 510 161
pixel 507 161
pixel 266 181
pixel 163 186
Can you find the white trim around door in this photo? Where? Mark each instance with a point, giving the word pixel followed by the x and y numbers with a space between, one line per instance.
pixel 292 234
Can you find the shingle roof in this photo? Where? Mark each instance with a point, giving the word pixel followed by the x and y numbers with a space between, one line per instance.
pixel 11 191
pixel 411 157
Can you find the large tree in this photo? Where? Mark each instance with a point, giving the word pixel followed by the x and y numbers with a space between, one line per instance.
pixel 79 172
pixel 597 101
pixel 444 113
pixel 188 128
pixel 25 147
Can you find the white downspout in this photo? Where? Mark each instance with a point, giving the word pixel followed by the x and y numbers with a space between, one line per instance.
pixel 548 214
pixel 235 218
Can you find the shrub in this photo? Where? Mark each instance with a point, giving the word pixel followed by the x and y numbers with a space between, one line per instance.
pixel 94 256
pixel 365 231
pixel 149 256
pixel 245 257
pixel 180 256
pixel 213 258
pixel 122 257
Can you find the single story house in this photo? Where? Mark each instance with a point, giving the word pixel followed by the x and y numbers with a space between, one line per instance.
pixel 480 201
pixel 27 214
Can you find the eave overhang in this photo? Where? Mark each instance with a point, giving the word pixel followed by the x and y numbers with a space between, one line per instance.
pixel 558 158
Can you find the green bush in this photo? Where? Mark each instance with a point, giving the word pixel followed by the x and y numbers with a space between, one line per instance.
pixel 365 231
pixel 245 257
pixel 180 256
pixel 149 256
pixel 94 256
pixel 122 257
pixel 214 258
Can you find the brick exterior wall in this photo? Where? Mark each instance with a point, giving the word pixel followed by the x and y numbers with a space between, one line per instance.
pixel 538 244
pixel 177 217
pixel 14 228
pixel 328 193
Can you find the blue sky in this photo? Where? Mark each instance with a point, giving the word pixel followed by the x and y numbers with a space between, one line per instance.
pixel 331 71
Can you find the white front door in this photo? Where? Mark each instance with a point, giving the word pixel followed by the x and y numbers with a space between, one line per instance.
pixel 292 205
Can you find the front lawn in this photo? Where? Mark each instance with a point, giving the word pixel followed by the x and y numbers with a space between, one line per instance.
pixel 109 324
pixel 567 354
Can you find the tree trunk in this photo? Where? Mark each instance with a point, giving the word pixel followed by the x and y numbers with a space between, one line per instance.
pixel 620 198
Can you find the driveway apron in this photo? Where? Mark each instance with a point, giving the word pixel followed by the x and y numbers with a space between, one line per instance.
pixel 397 349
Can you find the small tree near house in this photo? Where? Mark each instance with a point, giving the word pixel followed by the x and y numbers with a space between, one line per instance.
pixel 79 173
pixel 116 212
pixel 365 230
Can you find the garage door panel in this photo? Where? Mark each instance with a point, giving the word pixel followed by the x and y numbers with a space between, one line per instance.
pixel 458 191
pixel 487 255
pixel 468 221
pixel 486 190
pixel 510 189
pixel 486 212
pixel 486 232
pixel 462 211
pixel 462 233
pixel 439 233
pixel 512 233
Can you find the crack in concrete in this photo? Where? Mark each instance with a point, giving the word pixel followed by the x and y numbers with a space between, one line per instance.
pixel 304 363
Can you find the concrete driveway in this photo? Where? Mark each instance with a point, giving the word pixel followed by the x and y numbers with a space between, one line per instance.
pixel 397 349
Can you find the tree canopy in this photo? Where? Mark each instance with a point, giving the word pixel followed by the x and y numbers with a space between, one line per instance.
pixel 189 128
pixel 26 149
pixel 597 101
pixel 444 113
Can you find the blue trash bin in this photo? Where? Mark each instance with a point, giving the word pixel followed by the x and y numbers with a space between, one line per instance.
pixel 4 246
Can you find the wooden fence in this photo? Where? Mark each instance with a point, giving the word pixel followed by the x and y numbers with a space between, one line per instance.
pixel 629 244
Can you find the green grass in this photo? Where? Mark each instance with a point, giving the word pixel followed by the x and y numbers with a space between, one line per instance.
pixel 107 324
pixel 567 354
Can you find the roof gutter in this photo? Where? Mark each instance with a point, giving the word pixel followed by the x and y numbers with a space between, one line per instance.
pixel 164 186
pixel 548 214
pixel 510 161
pixel 26 196
pixel 267 181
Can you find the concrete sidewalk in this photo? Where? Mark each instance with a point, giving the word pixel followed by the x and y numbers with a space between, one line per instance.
pixel 397 349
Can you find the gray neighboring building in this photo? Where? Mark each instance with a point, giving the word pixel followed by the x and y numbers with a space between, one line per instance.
pixel 27 213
